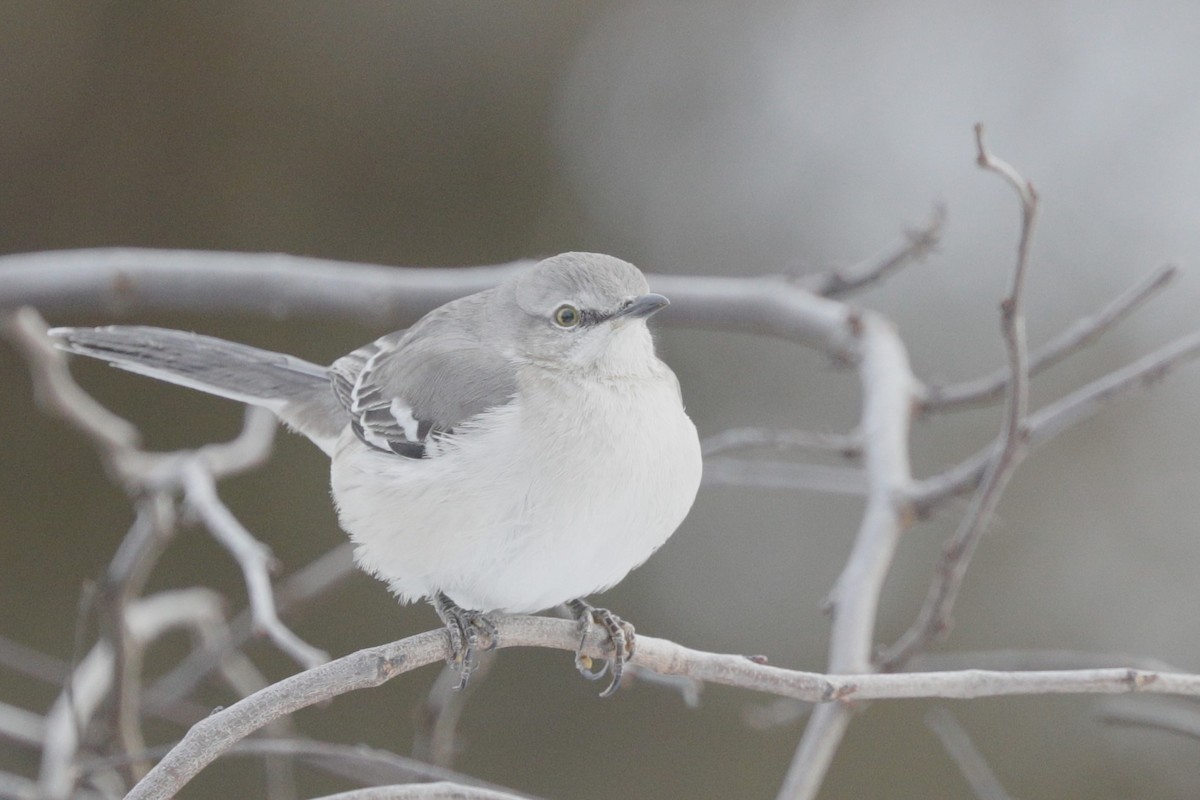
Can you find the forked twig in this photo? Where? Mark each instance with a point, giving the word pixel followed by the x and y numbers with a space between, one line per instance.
pixel 919 242
pixel 991 387
pixel 934 618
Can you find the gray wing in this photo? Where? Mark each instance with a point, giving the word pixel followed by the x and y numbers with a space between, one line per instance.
pixel 408 386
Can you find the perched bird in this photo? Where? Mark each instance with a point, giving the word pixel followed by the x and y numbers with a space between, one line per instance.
pixel 514 450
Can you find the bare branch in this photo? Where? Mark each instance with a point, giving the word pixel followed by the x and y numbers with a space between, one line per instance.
pixel 14 787
pixel 252 556
pixel 1057 417
pixel 1012 660
pixel 435 739
pixel 919 242
pixel 1175 718
pixel 784 475
pixel 147 619
pixel 27 661
pixel 310 582
pixel 887 385
pixel 991 387
pixel 422 791
pixel 845 445
pixel 57 391
pixel 966 755
pixel 123 280
pixel 362 764
pixel 215 734
pixel 933 620
pixel 19 725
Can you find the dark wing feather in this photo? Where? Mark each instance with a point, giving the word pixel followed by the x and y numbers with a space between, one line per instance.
pixel 408 386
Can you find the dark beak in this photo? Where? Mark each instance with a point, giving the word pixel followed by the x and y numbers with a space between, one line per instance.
pixel 644 306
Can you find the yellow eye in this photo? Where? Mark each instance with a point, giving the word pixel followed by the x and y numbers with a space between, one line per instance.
pixel 566 316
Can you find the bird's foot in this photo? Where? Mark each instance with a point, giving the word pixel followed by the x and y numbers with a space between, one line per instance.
pixel 469 631
pixel 620 641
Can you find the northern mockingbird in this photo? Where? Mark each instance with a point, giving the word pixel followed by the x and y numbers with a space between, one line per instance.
pixel 512 451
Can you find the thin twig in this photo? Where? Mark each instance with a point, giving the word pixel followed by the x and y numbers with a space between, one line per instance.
pixel 25 660
pixel 147 619
pixel 362 764
pixel 252 556
pixel 933 620
pixel 21 726
pixel 57 391
pixel 1173 718
pixel 422 791
pixel 991 387
pixel 726 471
pixel 971 763
pixel 1015 660
pixel 435 738
pixel 1059 416
pixel 306 584
pixel 919 242
pixel 845 445
pixel 215 734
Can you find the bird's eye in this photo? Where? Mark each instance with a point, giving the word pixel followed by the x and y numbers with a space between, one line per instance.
pixel 566 316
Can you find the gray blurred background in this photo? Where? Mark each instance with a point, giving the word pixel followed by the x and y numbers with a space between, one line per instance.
pixel 705 137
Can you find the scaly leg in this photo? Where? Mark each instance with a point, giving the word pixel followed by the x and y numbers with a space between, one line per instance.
pixel 469 631
pixel 620 638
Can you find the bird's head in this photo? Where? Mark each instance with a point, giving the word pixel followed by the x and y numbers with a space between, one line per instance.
pixel 585 311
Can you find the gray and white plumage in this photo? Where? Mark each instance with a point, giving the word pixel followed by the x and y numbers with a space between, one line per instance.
pixel 489 452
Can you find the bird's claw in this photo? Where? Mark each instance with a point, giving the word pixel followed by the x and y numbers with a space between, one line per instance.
pixel 469 632
pixel 620 640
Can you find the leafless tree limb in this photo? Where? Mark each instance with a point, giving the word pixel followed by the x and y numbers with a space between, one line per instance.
pixel 422 791
pixel 887 383
pixel 919 242
pixel 1174 718
pixel 724 471
pixel 27 661
pixel 1059 416
pixel 214 735
pixel 361 764
pixel 934 618
pixel 147 619
pixel 19 725
pixel 990 388
pixel 252 556
pixel 1017 660
pixel 971 763
pixel 306 584
pixel 845 445
pixel 435 739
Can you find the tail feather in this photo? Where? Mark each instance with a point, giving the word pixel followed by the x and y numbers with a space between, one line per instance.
pixel 298 391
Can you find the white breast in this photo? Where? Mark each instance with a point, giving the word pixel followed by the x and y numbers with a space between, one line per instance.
pixel 528 507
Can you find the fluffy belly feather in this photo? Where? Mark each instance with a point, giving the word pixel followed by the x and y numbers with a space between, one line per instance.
pixel 522 511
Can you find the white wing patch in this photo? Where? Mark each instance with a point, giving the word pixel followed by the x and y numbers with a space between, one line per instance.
pixel 404 417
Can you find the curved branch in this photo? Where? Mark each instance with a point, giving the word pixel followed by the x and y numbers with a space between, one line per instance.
pixel 371 667
pixel 122 281
pixel 933 620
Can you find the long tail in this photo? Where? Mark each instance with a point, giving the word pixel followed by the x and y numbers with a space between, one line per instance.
pixel 299 392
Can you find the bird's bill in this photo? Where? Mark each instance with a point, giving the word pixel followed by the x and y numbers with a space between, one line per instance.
pixel 643 306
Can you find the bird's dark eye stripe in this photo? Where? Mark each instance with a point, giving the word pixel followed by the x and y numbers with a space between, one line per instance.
pixel 588 316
